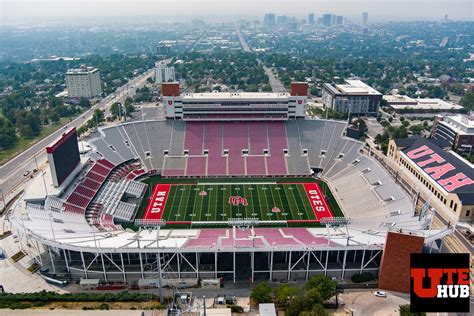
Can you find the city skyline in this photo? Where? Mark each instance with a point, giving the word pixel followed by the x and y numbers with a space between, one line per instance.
pixel 212 9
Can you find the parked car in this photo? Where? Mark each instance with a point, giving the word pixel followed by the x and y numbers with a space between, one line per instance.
pixel 380 294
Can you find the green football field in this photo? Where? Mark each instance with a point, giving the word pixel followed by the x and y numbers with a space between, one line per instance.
pixel 210 201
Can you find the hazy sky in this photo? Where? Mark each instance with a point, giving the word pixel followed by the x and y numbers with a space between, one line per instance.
pixel 378 9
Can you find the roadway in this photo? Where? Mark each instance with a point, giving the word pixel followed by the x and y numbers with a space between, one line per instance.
pixel 276 85
pixel 11 173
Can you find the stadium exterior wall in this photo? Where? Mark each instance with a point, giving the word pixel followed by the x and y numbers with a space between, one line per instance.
pixel 124 265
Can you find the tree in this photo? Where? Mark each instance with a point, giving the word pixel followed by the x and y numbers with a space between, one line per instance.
pixel 467 101
pixel 313 90
pixel 81 130
pixel 84 103
pixel 7 134
pixel 129 108
pixel 284 293
pixel 405 311
pixel 317 310
pixel 298 304
pixel 54 117
pixel 325 286
pixel 6 141
pixel 267 88
pixel 360 124
pixel 97 117
pixel 261 293
pixel 116 109
pixel 26 131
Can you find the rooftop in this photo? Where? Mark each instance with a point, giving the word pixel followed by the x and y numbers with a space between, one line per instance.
pixel 462 124
pixel 460 165
pixel 356 87
pixel 235 95
pixel 81 70
pixel 402 102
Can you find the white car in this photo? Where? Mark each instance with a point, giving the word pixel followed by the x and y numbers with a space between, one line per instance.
pixel 380 294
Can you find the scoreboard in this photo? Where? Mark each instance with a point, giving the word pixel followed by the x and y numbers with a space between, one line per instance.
pixel 63 156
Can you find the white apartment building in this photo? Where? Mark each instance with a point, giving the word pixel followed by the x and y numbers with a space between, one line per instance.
pixel 354 96
pixel 83 82
pixel 164 73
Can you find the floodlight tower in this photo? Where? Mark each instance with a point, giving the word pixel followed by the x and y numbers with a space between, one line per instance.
pixel 151 224
pixel 243 224
pixel 336 222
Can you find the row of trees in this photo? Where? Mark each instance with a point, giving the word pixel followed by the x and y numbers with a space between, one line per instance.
pixel 307 300
pixel 26 122
pixel 29 102
pixel 239 71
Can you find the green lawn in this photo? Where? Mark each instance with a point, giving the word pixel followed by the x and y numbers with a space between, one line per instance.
pixel 185 204
pixel 23 143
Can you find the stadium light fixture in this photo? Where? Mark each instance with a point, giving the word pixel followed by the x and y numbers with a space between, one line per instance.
pixel 150 223
pixel 335 221
pixel 250 221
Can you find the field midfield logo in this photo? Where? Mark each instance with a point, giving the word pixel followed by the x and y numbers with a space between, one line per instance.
pixel 440 283
pixel 236 200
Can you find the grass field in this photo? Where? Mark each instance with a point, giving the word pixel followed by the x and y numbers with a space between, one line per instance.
pixel 208 200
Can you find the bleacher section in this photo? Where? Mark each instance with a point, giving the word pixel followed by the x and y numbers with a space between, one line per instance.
pixel 85 191
pixel 200 149
pixel 363 184
pixel 255 238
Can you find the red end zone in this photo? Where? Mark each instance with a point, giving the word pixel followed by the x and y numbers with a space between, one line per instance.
pixel 157 202
pixel 317 201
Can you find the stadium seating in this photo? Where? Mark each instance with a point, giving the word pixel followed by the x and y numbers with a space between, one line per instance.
pixel 217 162
pixel 277 140
pixel 207 238
pixel 177 148
pixel 234 140
pixel 194 138
pixel 258 238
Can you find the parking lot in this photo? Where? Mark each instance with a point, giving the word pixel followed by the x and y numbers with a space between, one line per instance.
pixel 366 303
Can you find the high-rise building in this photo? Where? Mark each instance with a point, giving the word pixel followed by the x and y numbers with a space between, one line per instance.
pixel 269 19
pixel 281 19
pixel 83 82
pixel 311 18
pixel 365 18
pixel 327 19
pixel 198 23
pixel 339 20
pixel 163 49
pixel 333 19
pixel 163 73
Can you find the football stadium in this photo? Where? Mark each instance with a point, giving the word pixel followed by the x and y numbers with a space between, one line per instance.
pixel 235 186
